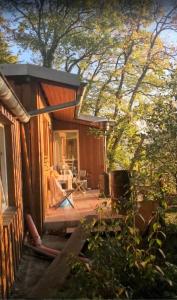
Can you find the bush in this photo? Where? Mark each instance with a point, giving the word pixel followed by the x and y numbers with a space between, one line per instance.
pixel 124 264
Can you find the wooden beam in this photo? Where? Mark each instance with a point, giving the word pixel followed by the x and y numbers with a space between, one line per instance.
pixel 59 269
pixel 28 195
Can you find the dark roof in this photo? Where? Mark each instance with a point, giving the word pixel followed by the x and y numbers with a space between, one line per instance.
pixel 93 119
pixel 40 72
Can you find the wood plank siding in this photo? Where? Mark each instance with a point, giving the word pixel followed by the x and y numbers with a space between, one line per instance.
pixel 27 90
pixel 46 145
pixel 91 150
pixel 38 138
pixel 38 141
pixel 11 219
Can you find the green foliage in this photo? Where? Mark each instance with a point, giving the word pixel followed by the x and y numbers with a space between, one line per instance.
pixel 158 159
pixel 5 54
pixel 124 263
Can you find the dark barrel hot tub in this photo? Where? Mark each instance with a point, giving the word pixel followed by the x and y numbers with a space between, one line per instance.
pixel 120 186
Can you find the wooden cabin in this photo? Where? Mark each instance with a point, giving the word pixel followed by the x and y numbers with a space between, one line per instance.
pixel 12 115
pixel 55 133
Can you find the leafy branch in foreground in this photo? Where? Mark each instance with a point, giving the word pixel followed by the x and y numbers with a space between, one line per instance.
pixel 124 262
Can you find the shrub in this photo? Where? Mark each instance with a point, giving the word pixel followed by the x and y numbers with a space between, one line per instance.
pixel 124 264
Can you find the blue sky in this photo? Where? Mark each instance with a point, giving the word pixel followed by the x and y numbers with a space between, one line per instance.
pixel 169 37
pixel 25 56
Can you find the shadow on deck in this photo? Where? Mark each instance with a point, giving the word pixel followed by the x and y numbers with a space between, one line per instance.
pixel 63 219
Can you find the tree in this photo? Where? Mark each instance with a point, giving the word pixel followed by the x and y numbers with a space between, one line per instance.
pixel 44 26
pixel 116 48
pixel 5 54
pixel 135 74
pixel 161 150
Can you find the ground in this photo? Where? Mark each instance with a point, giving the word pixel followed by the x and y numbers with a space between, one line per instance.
pixel 33 265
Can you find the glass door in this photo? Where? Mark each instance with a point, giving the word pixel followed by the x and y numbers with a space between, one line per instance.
pixel 66 150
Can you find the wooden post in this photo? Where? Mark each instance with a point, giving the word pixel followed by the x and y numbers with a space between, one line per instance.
pixel 1 252
pixel 26 172
pixel 59 269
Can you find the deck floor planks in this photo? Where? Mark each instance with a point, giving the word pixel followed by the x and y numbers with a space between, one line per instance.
pixel 85 204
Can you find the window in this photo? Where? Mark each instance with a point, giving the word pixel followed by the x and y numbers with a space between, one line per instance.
pixel 3 169
pixel 66 150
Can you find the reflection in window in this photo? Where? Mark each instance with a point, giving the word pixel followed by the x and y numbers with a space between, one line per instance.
pixel 66 150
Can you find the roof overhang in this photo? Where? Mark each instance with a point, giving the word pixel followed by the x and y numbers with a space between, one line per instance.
pixel 66 97
pixel 92 121
pixel 41 73
pixel 62 91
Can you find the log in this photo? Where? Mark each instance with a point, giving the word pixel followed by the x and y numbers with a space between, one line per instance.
pixel 59 269
pixel 42 251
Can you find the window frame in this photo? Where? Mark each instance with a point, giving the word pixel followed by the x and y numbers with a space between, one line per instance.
pixel 8 122
pixel 3 168
pixel 77 138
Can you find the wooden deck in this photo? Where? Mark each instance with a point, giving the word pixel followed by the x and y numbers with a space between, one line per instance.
pixel 84 204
